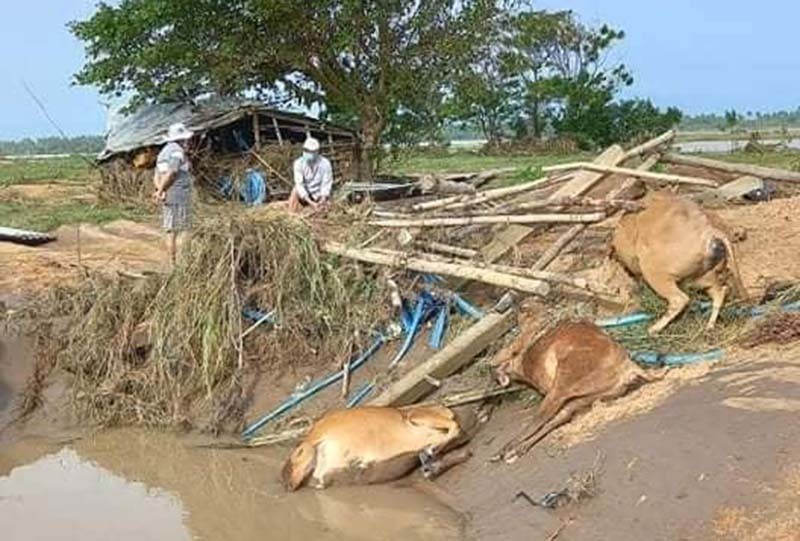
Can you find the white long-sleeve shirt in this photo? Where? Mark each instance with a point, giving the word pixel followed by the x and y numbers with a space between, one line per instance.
pixel 313 182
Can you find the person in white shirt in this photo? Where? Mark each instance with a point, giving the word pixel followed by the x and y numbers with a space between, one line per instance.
pixel 173 187
pixel 313 179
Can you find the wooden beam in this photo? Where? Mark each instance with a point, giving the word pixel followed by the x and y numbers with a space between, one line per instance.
pixel 256 131
pixel 414 385
pixel 650 145
pixel 735 168
pixel 448 249
pixel 644 175
pixel 590 217
pixel 572 233
pixel 459 270
pixel 578 185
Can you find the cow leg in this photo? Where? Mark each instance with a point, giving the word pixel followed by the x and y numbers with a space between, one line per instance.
pixel 552 402
pixel 717 290
pixel 562 417
pixel 666 287
pixel 435 468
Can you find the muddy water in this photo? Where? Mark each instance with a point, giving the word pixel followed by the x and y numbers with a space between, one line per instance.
pixel 135 485
pixel 138 485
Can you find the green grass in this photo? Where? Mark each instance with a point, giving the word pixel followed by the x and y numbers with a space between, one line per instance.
pixel 46 216
pixel 72 169
pixel 789 160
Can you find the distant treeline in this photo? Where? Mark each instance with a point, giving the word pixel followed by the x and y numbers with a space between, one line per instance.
pixel 82 144
pixel 751 120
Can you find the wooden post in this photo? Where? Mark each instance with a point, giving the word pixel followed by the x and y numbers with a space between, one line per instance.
pixel 277 131
pixel 256 131
pixel 507 219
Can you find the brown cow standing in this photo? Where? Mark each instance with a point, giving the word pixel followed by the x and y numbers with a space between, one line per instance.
pixel 672 240
pixel 573 365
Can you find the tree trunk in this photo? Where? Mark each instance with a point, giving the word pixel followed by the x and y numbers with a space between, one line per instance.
pixel 371 131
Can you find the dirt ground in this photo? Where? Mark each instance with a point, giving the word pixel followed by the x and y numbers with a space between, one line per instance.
pixel 708 453
pixel 118 246
pixel 717 460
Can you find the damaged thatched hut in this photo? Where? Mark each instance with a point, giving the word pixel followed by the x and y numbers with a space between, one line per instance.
pixel 233 136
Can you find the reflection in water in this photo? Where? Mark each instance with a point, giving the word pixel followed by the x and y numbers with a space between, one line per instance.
pixel 64 497
pixel 137 485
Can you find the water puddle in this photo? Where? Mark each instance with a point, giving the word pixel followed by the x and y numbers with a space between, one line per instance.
pixel 138 485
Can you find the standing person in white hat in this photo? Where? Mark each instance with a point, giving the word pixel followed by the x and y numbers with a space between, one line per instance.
pixel 313 179
pixel 173 183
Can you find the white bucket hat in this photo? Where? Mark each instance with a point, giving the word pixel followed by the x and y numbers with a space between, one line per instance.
pixel 311 145
pixel 179 132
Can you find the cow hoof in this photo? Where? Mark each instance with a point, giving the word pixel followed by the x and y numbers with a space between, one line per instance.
pixel 427 455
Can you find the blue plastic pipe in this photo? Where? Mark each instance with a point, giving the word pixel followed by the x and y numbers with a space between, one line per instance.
pixel 675 359
pixel 436 337
pixel 416 321
pixel 361 394
pixel 467 308
pixel 624 320
pixel 296 399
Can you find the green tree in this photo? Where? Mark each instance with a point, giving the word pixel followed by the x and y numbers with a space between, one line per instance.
pixel 372 62
pixel 732 118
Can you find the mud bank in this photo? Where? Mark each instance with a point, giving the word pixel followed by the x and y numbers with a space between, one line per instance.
pixel 674 473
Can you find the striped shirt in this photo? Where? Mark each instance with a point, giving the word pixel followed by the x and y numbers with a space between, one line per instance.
pixel 313 182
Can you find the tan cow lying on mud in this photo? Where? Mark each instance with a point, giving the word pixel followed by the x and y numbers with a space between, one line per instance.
pixel 375 444
pixel 672 240
pixel 573 365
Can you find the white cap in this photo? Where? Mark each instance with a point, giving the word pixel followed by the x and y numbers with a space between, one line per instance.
pixel 179 132
pixel 311 145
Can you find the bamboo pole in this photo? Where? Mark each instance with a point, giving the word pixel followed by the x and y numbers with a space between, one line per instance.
pixel 448 249
pixel 459 270
pixel 737 168
pixel 645 175
pixel 504 219
pixel 486 195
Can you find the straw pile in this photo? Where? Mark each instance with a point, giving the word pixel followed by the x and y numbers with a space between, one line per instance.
pixel 169 350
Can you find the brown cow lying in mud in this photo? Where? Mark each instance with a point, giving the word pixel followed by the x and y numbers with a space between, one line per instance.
pixel 376 444
pixel 573 365
pixel 672 240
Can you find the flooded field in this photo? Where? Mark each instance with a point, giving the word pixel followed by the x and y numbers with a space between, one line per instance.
pixel 721 147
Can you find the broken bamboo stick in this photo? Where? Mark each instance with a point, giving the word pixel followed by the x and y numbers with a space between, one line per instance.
pixel 448 249
pixel 645 175
pixel 737 168
pixel 459 270
pixel 504 219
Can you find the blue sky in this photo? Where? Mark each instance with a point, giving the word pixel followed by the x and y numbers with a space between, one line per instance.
pixel 701 55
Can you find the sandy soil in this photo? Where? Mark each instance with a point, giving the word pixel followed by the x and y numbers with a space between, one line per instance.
pixel 118 246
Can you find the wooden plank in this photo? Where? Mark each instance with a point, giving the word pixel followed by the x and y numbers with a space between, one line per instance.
pixel 650 145
pixel 413 386
pixel 580 184
pixel 736 168
pixel 572 233
pixel 586 180
pixel 644 175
